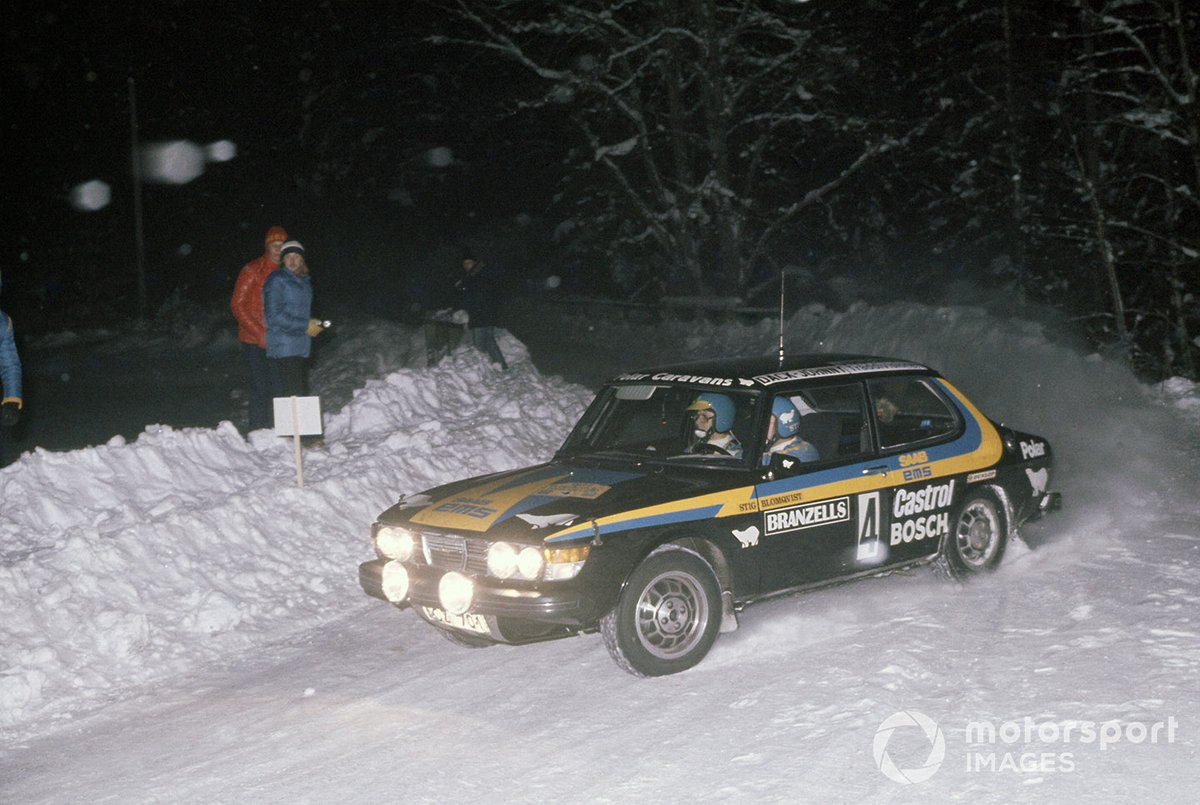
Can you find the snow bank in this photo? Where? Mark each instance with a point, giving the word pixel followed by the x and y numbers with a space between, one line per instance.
pixel 125 563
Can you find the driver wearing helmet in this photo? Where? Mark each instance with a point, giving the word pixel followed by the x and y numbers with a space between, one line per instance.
pixel 782 435
pixel 712 424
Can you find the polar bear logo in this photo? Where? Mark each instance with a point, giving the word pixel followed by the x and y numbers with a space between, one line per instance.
pixel 748 537
pixel 1038 480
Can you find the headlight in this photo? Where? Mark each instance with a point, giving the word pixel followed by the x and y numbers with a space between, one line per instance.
pixel 502 560
pixel 393 542
pixel 565 563
pixel 455 592
pixel 529 563
pixel 394 582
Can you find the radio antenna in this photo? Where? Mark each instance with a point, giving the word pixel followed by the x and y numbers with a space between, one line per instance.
pixel 781 284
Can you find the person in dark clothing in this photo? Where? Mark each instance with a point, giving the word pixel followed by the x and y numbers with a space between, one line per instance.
pixel 247 306
pixel 10 385
pixel 478 291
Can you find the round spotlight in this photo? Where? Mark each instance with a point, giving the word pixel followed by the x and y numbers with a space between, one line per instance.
pixel 455 592
pixel 394 543
pixel 502 560
pixel 394 582
pixel 529 563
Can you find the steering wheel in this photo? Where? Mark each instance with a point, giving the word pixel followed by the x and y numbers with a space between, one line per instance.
pixel 708 448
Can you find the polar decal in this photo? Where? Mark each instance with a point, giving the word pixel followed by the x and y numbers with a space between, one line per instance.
pixel 807 515
pixel 869 533
pixel 915 513
pixel 1033 449
pixel 747 537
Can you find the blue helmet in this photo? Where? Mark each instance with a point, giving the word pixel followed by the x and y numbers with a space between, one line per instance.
pixel 787 418
pixel 720 405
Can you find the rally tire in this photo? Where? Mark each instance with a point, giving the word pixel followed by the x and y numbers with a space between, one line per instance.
pixel 667 617
pixel 978 537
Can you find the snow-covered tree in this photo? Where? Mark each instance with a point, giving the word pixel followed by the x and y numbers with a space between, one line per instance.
pixel 703 131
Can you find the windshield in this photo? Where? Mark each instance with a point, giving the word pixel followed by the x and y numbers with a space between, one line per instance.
pixel 674 423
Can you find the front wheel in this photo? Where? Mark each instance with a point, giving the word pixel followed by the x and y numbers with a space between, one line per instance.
pixel 667 617
pixel 979 537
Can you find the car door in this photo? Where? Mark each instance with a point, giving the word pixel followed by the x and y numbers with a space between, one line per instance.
pixel 917 428
pixel 811 512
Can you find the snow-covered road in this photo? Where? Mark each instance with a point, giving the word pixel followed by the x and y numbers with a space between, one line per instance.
pixel 256 671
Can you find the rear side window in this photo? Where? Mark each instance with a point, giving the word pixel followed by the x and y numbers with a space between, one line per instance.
pixel 832 419
pixel 909 411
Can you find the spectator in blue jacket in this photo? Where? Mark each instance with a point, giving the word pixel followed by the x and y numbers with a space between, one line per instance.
pixel 10 383
pixel 287 311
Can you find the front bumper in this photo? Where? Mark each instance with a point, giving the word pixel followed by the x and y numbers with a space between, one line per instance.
pixel 565 604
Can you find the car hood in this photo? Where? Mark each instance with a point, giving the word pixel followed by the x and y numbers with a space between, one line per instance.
pixel 553 499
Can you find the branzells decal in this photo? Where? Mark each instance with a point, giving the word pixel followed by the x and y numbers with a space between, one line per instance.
pixel 911 517
pixel 807 515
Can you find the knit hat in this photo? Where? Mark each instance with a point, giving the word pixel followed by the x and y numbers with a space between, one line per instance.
pixel 275 234
pixel 291 246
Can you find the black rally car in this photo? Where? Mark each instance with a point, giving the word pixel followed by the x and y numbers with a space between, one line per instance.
pixel 685 493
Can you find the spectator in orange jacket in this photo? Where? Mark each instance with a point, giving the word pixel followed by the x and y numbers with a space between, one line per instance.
pixel 247 307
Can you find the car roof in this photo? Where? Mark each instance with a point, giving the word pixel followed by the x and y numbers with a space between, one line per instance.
pixel 766 371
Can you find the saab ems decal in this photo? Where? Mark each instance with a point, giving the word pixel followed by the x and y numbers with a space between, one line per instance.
pixel 807 515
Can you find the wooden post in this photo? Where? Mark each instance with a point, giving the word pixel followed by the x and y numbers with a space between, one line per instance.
pixel 296 443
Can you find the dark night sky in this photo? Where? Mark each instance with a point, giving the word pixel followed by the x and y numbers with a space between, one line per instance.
pixel 332 106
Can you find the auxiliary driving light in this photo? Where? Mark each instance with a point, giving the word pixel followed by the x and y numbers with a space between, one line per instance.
pixel 393 542
pixel 394 582
pixel 455 592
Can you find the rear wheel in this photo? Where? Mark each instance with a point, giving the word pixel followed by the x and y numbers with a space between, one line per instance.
pixel 667 617
pixel 979 537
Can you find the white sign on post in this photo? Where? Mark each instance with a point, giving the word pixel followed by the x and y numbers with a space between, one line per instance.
pixel 296 417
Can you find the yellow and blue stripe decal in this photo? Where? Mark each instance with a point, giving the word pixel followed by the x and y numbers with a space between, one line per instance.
pixel 979 446
pixel 481 507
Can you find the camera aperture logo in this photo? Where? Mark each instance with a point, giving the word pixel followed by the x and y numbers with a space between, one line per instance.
pixel 1024 747
pixel 908 720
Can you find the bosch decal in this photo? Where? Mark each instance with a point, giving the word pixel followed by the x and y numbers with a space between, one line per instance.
pixel 919 528
pixel 807 515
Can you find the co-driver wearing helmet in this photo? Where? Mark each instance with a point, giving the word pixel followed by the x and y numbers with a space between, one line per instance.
pixel 783 436
pixel 712 423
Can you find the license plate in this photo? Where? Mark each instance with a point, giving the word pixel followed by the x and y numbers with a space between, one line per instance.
pixel 470 622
